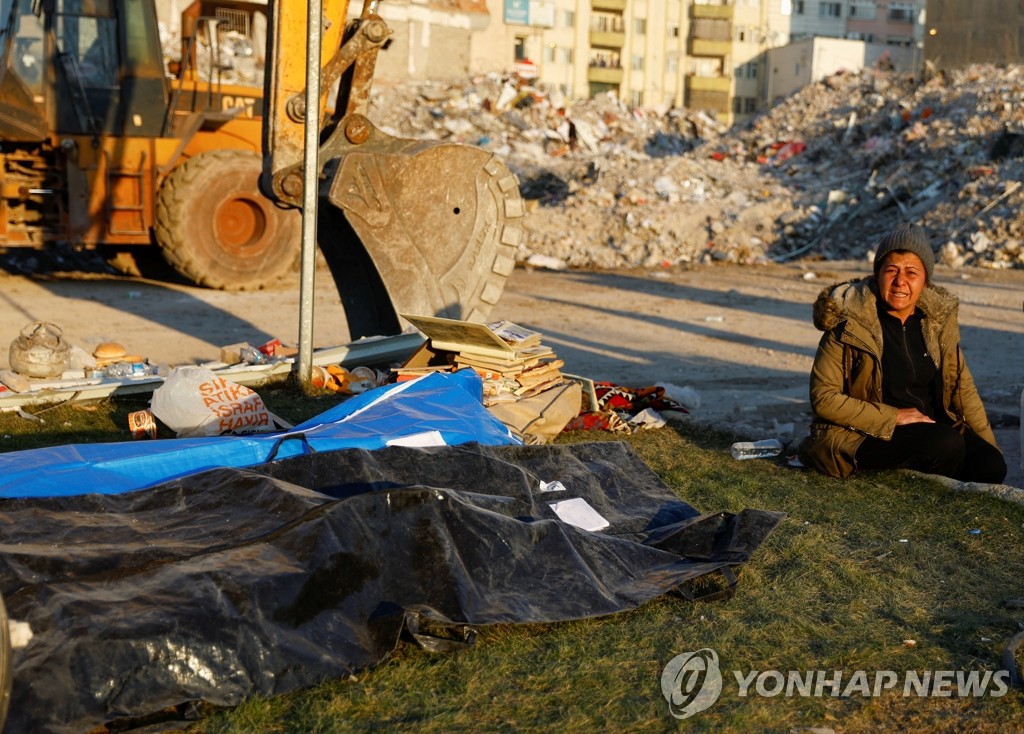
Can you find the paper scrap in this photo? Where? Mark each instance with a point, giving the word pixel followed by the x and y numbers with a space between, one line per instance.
pixel 419 440
pixel 578 512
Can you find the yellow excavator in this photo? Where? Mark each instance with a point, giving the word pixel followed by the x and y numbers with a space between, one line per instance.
pixel 102 147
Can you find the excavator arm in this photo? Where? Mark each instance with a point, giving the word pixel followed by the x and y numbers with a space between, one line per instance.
pixel 406 226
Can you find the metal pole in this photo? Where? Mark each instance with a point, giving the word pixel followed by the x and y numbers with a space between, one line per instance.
pixel 311 147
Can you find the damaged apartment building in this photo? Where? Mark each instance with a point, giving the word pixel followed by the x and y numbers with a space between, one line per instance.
pixel 730 58
pixel 727 58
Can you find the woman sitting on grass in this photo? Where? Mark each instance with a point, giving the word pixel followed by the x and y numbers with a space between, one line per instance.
pixel 889 385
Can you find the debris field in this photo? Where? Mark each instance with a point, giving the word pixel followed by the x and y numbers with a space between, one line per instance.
pixel 822 175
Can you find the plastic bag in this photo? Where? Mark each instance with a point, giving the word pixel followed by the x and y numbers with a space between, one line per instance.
pixel 193 401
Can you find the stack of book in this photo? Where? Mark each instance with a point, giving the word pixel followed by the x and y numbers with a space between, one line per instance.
pixel 510 359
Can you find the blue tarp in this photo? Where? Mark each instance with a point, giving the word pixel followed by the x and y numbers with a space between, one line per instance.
pixel 449 406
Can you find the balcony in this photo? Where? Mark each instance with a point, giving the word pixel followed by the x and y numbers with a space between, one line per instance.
pixel 616 6
pixel 707 47
pixel 717 12
pixel 713 84
pixel 713 103
pixel 607 39
pixel 604 74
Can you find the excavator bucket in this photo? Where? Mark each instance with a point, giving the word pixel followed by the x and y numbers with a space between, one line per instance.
pixel 406 226
pixel 439 222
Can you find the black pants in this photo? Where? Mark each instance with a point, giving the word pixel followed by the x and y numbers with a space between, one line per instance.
pixel 935 448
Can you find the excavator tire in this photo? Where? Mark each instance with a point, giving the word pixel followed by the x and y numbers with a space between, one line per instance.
pixel 217 229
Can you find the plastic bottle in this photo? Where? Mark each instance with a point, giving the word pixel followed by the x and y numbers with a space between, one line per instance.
pixel 765 449
pixel 251 355
pixel 119 370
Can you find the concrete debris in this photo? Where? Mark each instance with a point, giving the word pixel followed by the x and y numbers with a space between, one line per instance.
pixel 820 176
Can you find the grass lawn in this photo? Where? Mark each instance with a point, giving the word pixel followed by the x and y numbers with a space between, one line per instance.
pixel 857 568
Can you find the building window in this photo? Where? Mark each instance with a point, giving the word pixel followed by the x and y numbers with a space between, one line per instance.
pixel 798 7
pixel 749 105
pixel 637 62
pixel 673 31
pixel 636 98
pixel 899 41
pixel 901 12
pixel 607 23
pixel 567 56
pixel 862 10
pixel 604 60
pixel 520 48
pixel 671 65
pixel 830 10
pixel 737 105
pixel 640 26
pixel 550 53
pixel 569 19
pixel 748 70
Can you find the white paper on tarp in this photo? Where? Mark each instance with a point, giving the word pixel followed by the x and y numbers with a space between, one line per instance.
pixel 419 440
pixel 555 486
pixel 578 512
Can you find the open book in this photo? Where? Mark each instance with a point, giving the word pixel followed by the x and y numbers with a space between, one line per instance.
pixel 469 337
pixel 517 336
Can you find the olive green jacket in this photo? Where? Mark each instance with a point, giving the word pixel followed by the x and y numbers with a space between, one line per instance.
pixel 846 378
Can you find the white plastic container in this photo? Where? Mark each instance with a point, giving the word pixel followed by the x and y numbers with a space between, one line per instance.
pixel 765 449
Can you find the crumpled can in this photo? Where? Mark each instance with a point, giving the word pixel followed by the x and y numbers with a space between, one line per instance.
pixel 142 424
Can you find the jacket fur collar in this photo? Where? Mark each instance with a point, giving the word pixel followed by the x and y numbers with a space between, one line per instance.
pixel 853 305
pixel 857 300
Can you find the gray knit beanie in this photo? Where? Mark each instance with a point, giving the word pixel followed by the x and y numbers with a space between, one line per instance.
pixel 906 237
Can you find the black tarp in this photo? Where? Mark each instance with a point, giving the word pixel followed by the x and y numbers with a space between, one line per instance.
pixel 240 581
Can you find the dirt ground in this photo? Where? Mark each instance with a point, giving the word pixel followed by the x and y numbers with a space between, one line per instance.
pixel 739 336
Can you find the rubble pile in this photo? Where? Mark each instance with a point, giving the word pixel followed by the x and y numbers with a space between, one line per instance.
pixel 820 176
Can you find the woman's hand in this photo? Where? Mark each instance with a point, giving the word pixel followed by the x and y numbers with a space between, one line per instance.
pixel 906 416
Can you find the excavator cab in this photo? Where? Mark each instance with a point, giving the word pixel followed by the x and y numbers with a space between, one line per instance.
pixel 70 60
pixel 26 59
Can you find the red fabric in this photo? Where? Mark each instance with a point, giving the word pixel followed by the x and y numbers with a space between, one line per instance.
pixel 616 403
pixel 592 421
